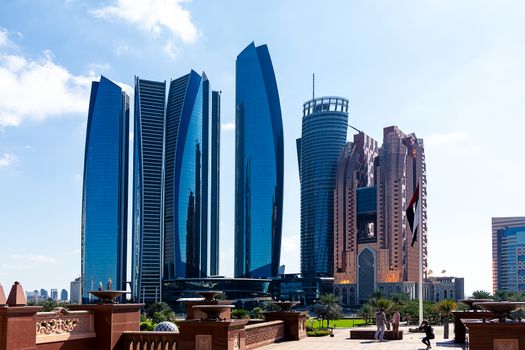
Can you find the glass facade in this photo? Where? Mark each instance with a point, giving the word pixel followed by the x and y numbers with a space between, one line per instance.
pixel 323 138
pixel 235 289
pixel 148 189
pixel 259 161
pixel 186 194
pixel 105 188
pixel 511 259
pixel 171 237
pixel 215 181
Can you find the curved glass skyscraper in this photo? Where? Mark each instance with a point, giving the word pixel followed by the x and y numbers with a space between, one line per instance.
pixel 105 188
pixel 258 165
pixel 186 194
pixel 173 194
pixel 325 122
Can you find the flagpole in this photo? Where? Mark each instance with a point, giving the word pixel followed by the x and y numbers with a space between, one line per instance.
pixel 420 244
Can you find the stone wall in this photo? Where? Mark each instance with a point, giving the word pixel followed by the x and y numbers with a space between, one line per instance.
pixel 264 333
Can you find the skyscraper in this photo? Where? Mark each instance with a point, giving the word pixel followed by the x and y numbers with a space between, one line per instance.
pixel 186 178
pixel 105 189
pixel 215 181
pixel 508 254
pixel 325 122
pixel 172 237
pixel 148 195
pixel 259 162
pixel 372 240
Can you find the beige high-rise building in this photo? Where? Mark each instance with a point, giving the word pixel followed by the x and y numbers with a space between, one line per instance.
pixel 372 238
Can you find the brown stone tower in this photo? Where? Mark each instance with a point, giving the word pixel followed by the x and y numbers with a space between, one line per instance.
pixel 371 236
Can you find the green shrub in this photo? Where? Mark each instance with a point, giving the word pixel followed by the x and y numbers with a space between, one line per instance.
pixel 147 326
pixel 319 333
pixel 239 313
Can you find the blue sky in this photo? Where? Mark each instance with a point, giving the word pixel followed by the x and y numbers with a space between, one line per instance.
pixel 450 71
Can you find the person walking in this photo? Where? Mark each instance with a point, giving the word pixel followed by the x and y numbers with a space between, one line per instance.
pixel 380 323
pixel 396 318
pixel 429 333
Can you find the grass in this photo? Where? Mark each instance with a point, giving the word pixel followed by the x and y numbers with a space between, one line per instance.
pixel 341 323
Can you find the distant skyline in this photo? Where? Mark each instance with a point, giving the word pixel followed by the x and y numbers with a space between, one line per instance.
pixel 452 72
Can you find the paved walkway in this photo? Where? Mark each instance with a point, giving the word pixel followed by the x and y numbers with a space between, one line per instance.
pixel 341 340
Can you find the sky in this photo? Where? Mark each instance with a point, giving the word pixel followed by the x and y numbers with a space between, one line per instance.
pixel 450 71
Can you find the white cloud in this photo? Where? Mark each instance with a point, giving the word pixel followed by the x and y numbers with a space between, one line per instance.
pixel 121 49
pixel 171 50
pixel 7 159
pixel 100 67
pixel 155 17
pixel 3 37
pixel 77 177
pixel 39 89
pixel 228 126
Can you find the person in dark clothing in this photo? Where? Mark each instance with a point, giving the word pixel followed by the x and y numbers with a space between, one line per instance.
pixel 429 333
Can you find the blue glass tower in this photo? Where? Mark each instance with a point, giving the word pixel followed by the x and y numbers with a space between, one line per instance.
pixel 215 181
pixel 148 163
pixel 508 253
pixel 323 138
pixel 172 237
pixel 259 158
pixel 186 178
pixel 105 188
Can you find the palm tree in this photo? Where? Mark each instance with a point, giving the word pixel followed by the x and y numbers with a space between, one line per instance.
pixel 330 307
pixel 387 304
pixel 445 307
pixel 366 312
pixel 481 294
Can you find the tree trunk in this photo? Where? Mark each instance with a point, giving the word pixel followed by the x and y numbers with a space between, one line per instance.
pixel 445 329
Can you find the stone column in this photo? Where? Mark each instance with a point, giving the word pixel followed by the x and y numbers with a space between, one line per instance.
pixel 212 335
pixel 459 327
pixel 111 320
pixel 17 321
pixel 294 323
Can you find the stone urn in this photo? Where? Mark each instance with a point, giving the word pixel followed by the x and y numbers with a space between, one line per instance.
pixel 501 309
pixel 213 311
pixel 286 306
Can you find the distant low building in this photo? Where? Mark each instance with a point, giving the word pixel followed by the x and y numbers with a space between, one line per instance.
pixel 295 287
pixel 74 291
pixel 63 295
pixel 33 296
pixel 43 294
pixel 445 287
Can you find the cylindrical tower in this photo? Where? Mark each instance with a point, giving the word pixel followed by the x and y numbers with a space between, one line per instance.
pixel 325 122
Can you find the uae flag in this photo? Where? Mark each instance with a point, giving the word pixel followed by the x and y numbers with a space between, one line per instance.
pixel 413 214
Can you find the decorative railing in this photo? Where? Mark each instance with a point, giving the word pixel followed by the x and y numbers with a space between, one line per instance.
pixel 261 334
pixel 150 340
pixel 63 325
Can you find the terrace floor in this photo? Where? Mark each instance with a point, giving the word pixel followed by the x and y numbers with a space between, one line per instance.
pixel 341 340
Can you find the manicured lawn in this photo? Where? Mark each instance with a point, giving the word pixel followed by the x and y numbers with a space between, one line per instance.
pixel 341 323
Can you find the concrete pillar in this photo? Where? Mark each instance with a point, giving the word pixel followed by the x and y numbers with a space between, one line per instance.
pixel 17 321
pixel 111 320
pixel 212 335
pixel 294 323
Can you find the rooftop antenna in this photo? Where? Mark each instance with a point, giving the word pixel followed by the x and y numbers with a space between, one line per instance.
pixel 313 86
